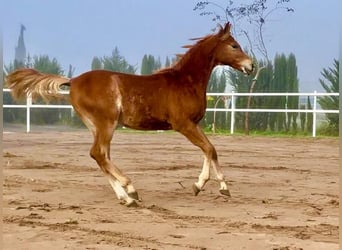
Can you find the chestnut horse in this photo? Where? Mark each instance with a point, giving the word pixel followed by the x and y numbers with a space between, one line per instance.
pixel 172 98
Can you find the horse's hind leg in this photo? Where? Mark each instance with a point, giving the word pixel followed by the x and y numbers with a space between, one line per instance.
pixel 100 151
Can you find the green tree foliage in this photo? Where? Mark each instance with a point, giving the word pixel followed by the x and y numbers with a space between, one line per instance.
pixel 292 82
pixel 330 83
pixel 44 64
pixel 216 84
pixel 279 85
pixel 149 64
pixel 114 62
pixel 285 80
pixel 241 84
pixel 96 63
pixel 280 76
pixel 71 71
pixel 167 62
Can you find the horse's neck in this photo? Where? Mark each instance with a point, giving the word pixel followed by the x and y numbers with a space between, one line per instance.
pixel 198 67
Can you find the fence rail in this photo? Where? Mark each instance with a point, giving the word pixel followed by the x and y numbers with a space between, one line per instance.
pixel 29 105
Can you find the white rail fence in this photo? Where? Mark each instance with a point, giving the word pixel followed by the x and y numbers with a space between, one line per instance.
pixel 29 105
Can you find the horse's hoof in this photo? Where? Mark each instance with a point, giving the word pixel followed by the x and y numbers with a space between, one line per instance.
pixel 132 203
pixel 195 189
pixel 134 195
pixel 225 192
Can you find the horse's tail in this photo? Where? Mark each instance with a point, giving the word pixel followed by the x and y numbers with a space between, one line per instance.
pixel 23 82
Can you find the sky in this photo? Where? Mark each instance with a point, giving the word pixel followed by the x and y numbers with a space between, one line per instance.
pixel 74 31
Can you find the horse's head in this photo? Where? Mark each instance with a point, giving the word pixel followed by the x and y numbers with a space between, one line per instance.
pixel 228 52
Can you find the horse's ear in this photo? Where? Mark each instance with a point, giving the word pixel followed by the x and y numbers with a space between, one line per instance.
pixel 225 32
pixel 227 27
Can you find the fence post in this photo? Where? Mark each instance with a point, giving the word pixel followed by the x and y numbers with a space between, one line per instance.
pixel 28 112
pixel 314 115
pixel 232 115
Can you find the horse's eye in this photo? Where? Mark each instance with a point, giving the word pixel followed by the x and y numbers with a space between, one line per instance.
pixel 235 46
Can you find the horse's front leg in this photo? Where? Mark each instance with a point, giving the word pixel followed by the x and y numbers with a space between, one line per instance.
pixel 220 178
pixel 194 133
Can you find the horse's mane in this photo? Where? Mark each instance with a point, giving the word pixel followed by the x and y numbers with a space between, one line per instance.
pixel 183 58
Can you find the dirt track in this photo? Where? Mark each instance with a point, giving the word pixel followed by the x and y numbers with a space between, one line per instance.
pixel 284 194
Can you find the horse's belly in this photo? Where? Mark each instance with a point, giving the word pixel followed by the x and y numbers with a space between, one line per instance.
pixel 144 123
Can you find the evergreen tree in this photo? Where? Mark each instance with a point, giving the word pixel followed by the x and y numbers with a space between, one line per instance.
pixel 145 69
pixel 167 62
pixel 216 84
pixel 71 71
pixel 117 63
pixel 114 62
pixel 279 85
pixel 282 77
pixel 292 87
pixel 330 83
pixel 149 65
pixel 240 83
pixel 285 80
pixel 96 63
pixel 302 117
pixel 44 64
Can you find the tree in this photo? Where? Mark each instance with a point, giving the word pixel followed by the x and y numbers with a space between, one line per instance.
pixel 330 83
pixel 241 84
pixel 167 62
pixel 279 85
pixel 217 84
pixel 44 64
pixel 292 87
pixel 277 76
pixel 149 64
pixel 285 80
pixel 114 62
pixel 71 71
pixel 117 62
pixel 96 63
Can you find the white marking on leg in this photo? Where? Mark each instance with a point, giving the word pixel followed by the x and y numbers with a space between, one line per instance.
pixel 205 174
pixel 219 175
pixel 130 188
pixel 119 190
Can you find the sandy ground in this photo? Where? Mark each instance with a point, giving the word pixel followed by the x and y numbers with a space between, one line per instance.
pixel 284 193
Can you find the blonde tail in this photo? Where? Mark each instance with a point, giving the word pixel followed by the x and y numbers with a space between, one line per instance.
pixel 23 82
